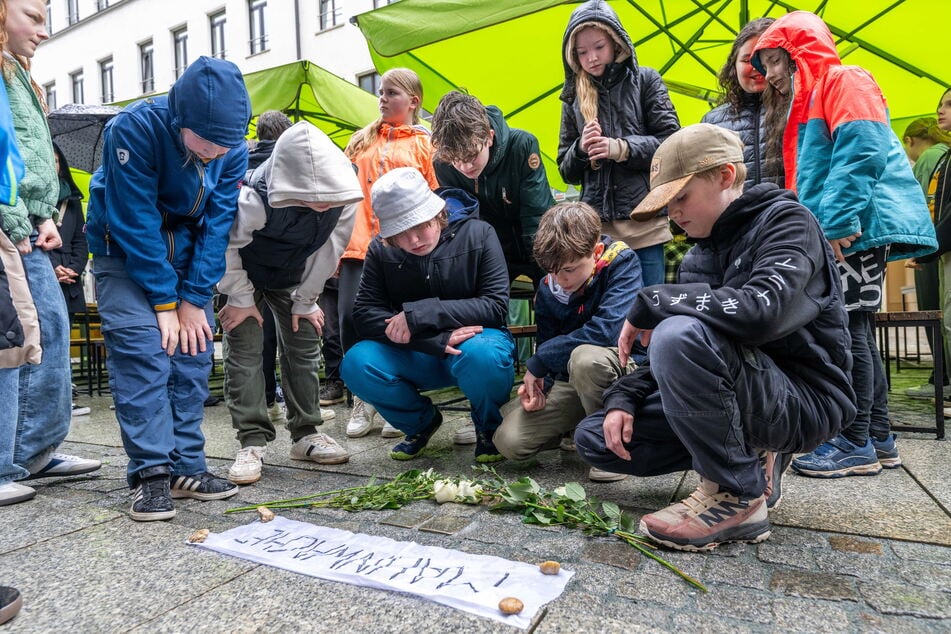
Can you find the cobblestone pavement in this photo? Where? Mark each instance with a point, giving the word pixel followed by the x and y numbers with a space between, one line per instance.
pixel 852 555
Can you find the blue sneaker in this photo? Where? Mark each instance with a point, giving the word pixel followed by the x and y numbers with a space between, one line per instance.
pixel 838 458
pixel 412 445
pixel 485 450
pixel 887 451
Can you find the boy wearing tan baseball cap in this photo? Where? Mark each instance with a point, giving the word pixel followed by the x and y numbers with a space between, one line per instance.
pixel 749 353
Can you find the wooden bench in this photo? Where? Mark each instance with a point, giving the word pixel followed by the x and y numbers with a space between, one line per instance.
pixel 930 320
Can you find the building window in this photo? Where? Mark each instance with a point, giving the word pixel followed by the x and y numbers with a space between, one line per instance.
pixel 370 82
pixel 49 17
pixel 217 23
pixel 382 3
pixel 180 43
pixel 147 66
pixel 329 14
pixel 72 7
pixel 49 93
pixel 105 80
pixel 102 4
pixel 76 79
pixel 258 26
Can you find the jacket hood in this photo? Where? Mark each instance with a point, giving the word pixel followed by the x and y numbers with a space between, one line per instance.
pixel 594 13
pixel 211 100
pixel 67 176
pixel 460 204
pixel 500 141
pixel 741 211
pixel 808 41
pixel 306 167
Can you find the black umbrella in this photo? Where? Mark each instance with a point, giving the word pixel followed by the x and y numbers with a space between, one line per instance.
pixel 77 130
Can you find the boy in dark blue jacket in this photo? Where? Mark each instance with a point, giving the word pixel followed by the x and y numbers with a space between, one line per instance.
pixel 749 353
pixel 579 308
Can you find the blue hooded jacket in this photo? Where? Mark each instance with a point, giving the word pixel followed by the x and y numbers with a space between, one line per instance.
pixel 148 186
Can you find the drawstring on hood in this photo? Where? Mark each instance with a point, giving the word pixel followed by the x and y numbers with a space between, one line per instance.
pixel 210 99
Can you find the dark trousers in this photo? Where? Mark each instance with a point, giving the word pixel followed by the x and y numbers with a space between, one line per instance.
pixel 332 350
pixel 717 403
pixel 868 379
pixel 351 271
pixel 269 350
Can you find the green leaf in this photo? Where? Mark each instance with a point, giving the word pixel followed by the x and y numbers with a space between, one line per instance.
pixel 542 516
pixel 626 523
pixel 611 509
pixel 574 491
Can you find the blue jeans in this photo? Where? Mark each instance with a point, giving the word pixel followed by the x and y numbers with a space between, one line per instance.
pixel 43 405
pixel 159 398
pixel 9 379
pixel 390 378
pixel 653 264
pixel 717 402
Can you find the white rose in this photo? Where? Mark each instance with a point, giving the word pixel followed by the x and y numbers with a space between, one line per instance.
pixel 445 491
pixel 468 492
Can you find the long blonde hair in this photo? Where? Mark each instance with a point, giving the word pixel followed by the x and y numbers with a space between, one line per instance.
pixel 407 81
pixel 585 91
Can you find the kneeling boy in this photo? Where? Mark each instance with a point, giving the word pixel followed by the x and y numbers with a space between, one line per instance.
pixel 749 353
pixel 579 308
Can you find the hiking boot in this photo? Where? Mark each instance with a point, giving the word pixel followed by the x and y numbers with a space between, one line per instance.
pixel 485 450
pixel 707 518
pixel 10 603
pixel 568 443
pixel 13 493
pixel 79 410
pixel 887 452
pixel 412 445
pixel 276 414
pixel 319 448
pixel 151 500
pixel 331 393
pixel 62 465
pixel 202 486
pixel 926 391
pixel 774 466
pixel 361 418
pixel 247 465
pixel 600 475
pixel 465 435
pixel 838 458
pixel 389 431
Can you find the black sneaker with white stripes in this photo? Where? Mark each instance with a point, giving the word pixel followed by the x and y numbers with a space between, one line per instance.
pixel 202 486
pixel 151 500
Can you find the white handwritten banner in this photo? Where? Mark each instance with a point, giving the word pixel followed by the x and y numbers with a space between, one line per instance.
pixel 472 583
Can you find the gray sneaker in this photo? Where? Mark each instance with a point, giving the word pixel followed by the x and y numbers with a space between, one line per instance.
pixel 926 391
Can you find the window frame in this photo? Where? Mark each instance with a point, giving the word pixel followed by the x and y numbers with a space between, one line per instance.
pixel 257 26
pixel 217 25
pixel 147 66
pixel 179 50
pixel 107 80
pixel 77 80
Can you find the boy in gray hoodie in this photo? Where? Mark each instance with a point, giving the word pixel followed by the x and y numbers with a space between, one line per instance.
pixel 295 216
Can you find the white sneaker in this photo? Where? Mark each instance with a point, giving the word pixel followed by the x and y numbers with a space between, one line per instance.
pixel 361 419
pixel 319 448
pixel 79 410
pixel 389 431
pixel 600 475
pixel 275 412
pixel 13 493
pixel 327 414
pixel 465 435
pixel 247 465
pixel 61 465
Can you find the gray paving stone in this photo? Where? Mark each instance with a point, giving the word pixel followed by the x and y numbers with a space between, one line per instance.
pixel 814 585
pixel 928 461
pixel 664 590
pixel 901 598
pixel 699 622
pixel 735 571
pixel 848 563
pixel 734 603
pixel 615 554
pixel 808 615
pixel 796 556
pixel 871 623
pixel 922 552
pixel 930 576
pixel 45 518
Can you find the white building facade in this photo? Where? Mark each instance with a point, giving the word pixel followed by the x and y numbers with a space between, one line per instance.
pixel 101 51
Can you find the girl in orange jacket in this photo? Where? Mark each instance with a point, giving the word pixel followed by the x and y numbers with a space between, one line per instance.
pixel 394 140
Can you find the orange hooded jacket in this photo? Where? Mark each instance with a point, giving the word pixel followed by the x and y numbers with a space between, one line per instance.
pixel 394 146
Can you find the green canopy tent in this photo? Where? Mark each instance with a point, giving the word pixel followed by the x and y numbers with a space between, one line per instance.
pixel 509 54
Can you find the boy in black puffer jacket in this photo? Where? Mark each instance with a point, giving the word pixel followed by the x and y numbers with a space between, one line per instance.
pixel 749 353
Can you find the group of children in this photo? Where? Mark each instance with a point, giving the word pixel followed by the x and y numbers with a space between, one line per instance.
pixel 762 348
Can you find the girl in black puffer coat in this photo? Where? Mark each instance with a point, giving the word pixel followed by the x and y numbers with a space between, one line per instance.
pixel 742 109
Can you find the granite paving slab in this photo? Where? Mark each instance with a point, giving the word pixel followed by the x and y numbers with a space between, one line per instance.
pixel 929 462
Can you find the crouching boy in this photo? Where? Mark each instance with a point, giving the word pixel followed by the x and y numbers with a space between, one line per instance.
pixel 749 353
pixel 430 313
pixel 295 216
pixel 579 308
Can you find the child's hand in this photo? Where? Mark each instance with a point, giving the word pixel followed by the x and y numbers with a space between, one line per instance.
pixel 24 246
pixel 531 393
pixel 838 244
pixel 195 331
pixel 48 235
pixel 458 336
pixel 397 330
pixel 630 334
pixel 618 430
pixel 606 148
pixel 591 131
pixel 168 327
pixel 233 316
pixel 315 318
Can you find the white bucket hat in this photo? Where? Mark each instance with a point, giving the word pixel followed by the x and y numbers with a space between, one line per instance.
pixel 402 199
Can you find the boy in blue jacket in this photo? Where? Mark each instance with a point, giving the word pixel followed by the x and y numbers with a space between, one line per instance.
pixel 749 352
pixel 161 206
pixel 579 308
